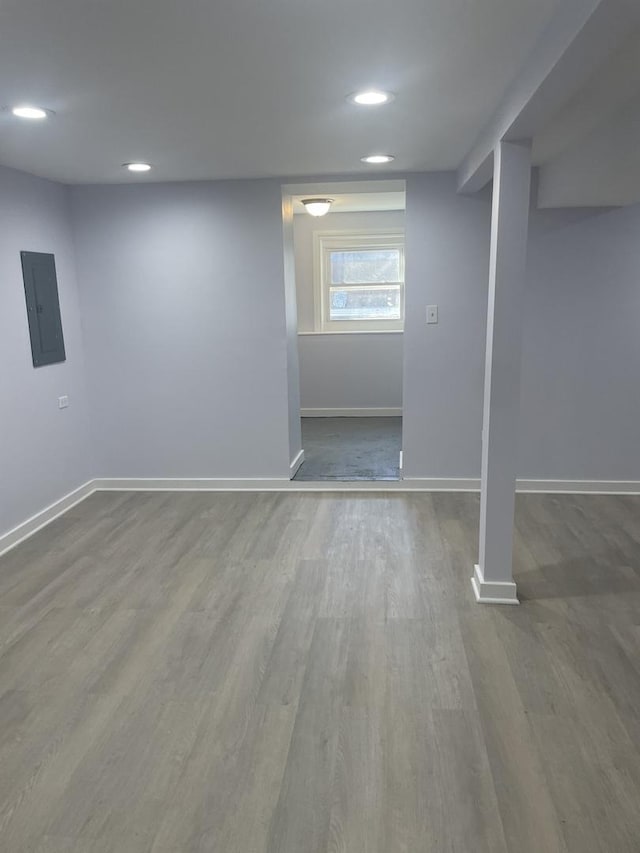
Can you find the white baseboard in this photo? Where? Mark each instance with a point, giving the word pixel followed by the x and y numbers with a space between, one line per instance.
pixel 441 484
pixel 27 528
pixel 580 487
pixel 560 487
pixel 277 485
pixel 352 413
pixel 192 484
pixel 295 464
pixel 492 592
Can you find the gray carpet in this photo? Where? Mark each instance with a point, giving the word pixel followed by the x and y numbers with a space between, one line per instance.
pixel 351 449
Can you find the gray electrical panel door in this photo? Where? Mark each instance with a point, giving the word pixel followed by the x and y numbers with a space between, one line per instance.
pixel 43 308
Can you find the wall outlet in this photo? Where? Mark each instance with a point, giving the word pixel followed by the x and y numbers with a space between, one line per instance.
pixel 432 314
pixel 63 402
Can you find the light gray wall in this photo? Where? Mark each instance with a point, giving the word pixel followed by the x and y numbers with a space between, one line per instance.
pixel 343 370
pixel 184 323
pixel 347 371
pixel 293 370
pixel 187 340
pixel 447 264
pixel 580 413
pixel 44 451
pixel 181 391
pixel 603 166
pixel 580 401
pixel 184 311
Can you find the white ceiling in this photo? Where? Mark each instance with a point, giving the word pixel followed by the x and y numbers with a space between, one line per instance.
pixel 248 88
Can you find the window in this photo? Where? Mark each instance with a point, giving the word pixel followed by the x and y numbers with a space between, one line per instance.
pixel 359 281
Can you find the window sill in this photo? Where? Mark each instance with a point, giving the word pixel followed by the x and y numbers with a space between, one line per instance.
pixel 356 332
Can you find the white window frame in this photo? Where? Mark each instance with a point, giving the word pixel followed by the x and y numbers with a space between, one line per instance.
pixel 325 242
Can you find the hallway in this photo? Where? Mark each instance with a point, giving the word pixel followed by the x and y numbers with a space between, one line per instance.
pixel 351 449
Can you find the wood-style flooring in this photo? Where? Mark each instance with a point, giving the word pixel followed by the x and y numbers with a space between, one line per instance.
pixel 309 673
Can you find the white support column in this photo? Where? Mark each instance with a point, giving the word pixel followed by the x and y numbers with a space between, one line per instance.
pixel 493 577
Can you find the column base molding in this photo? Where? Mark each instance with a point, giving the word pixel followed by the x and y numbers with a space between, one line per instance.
pixel 493 592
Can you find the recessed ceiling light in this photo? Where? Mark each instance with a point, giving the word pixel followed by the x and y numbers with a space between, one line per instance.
pixel 137 167
pixel 371 98
pixel 317 206
pixel 377 158
pixel 25 111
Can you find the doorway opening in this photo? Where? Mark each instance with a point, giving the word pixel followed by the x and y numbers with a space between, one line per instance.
pixel 349 288
pixel 351 448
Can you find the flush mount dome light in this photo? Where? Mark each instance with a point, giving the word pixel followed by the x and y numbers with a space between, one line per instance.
pixel 377 158
pixel 27 111
pixel 137 167
pixel 370 98
pixel 317 206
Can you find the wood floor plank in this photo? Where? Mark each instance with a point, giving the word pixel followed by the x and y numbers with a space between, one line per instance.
pixel 528 815
pixel 357 818
pixel 302 816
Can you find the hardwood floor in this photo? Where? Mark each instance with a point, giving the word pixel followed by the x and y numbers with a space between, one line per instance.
pixel 308 672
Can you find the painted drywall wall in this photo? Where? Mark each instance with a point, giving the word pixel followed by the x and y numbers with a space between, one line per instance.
pixel 184 312
pixel 343 371
pixel 44 451
pixel 189 373
pixel 291 317
pixel 580 409
pixel 447 264
pixel 184 320
pixel 580 406
pixel 351 371
pixel 603 166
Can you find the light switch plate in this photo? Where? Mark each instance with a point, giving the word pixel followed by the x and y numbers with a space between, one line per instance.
pixel 432 314
pixel 63 402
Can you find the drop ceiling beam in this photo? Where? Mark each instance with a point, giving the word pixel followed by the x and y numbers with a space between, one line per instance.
pixel 578 39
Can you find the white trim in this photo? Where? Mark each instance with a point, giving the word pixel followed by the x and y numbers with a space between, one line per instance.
pixel 263 485
pixel 326 241
pixel 493 592
pixel 352 332
pixel 317 282
pixel 549 487
pixel 580 487
pixel 408 484
pixel 441 484
pixel 27 528
pixel 385 412
pixel 276 485
pixel 296 463
pixel 192 484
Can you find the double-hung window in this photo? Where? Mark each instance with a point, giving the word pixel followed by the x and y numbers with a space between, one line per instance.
pixel 359 281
